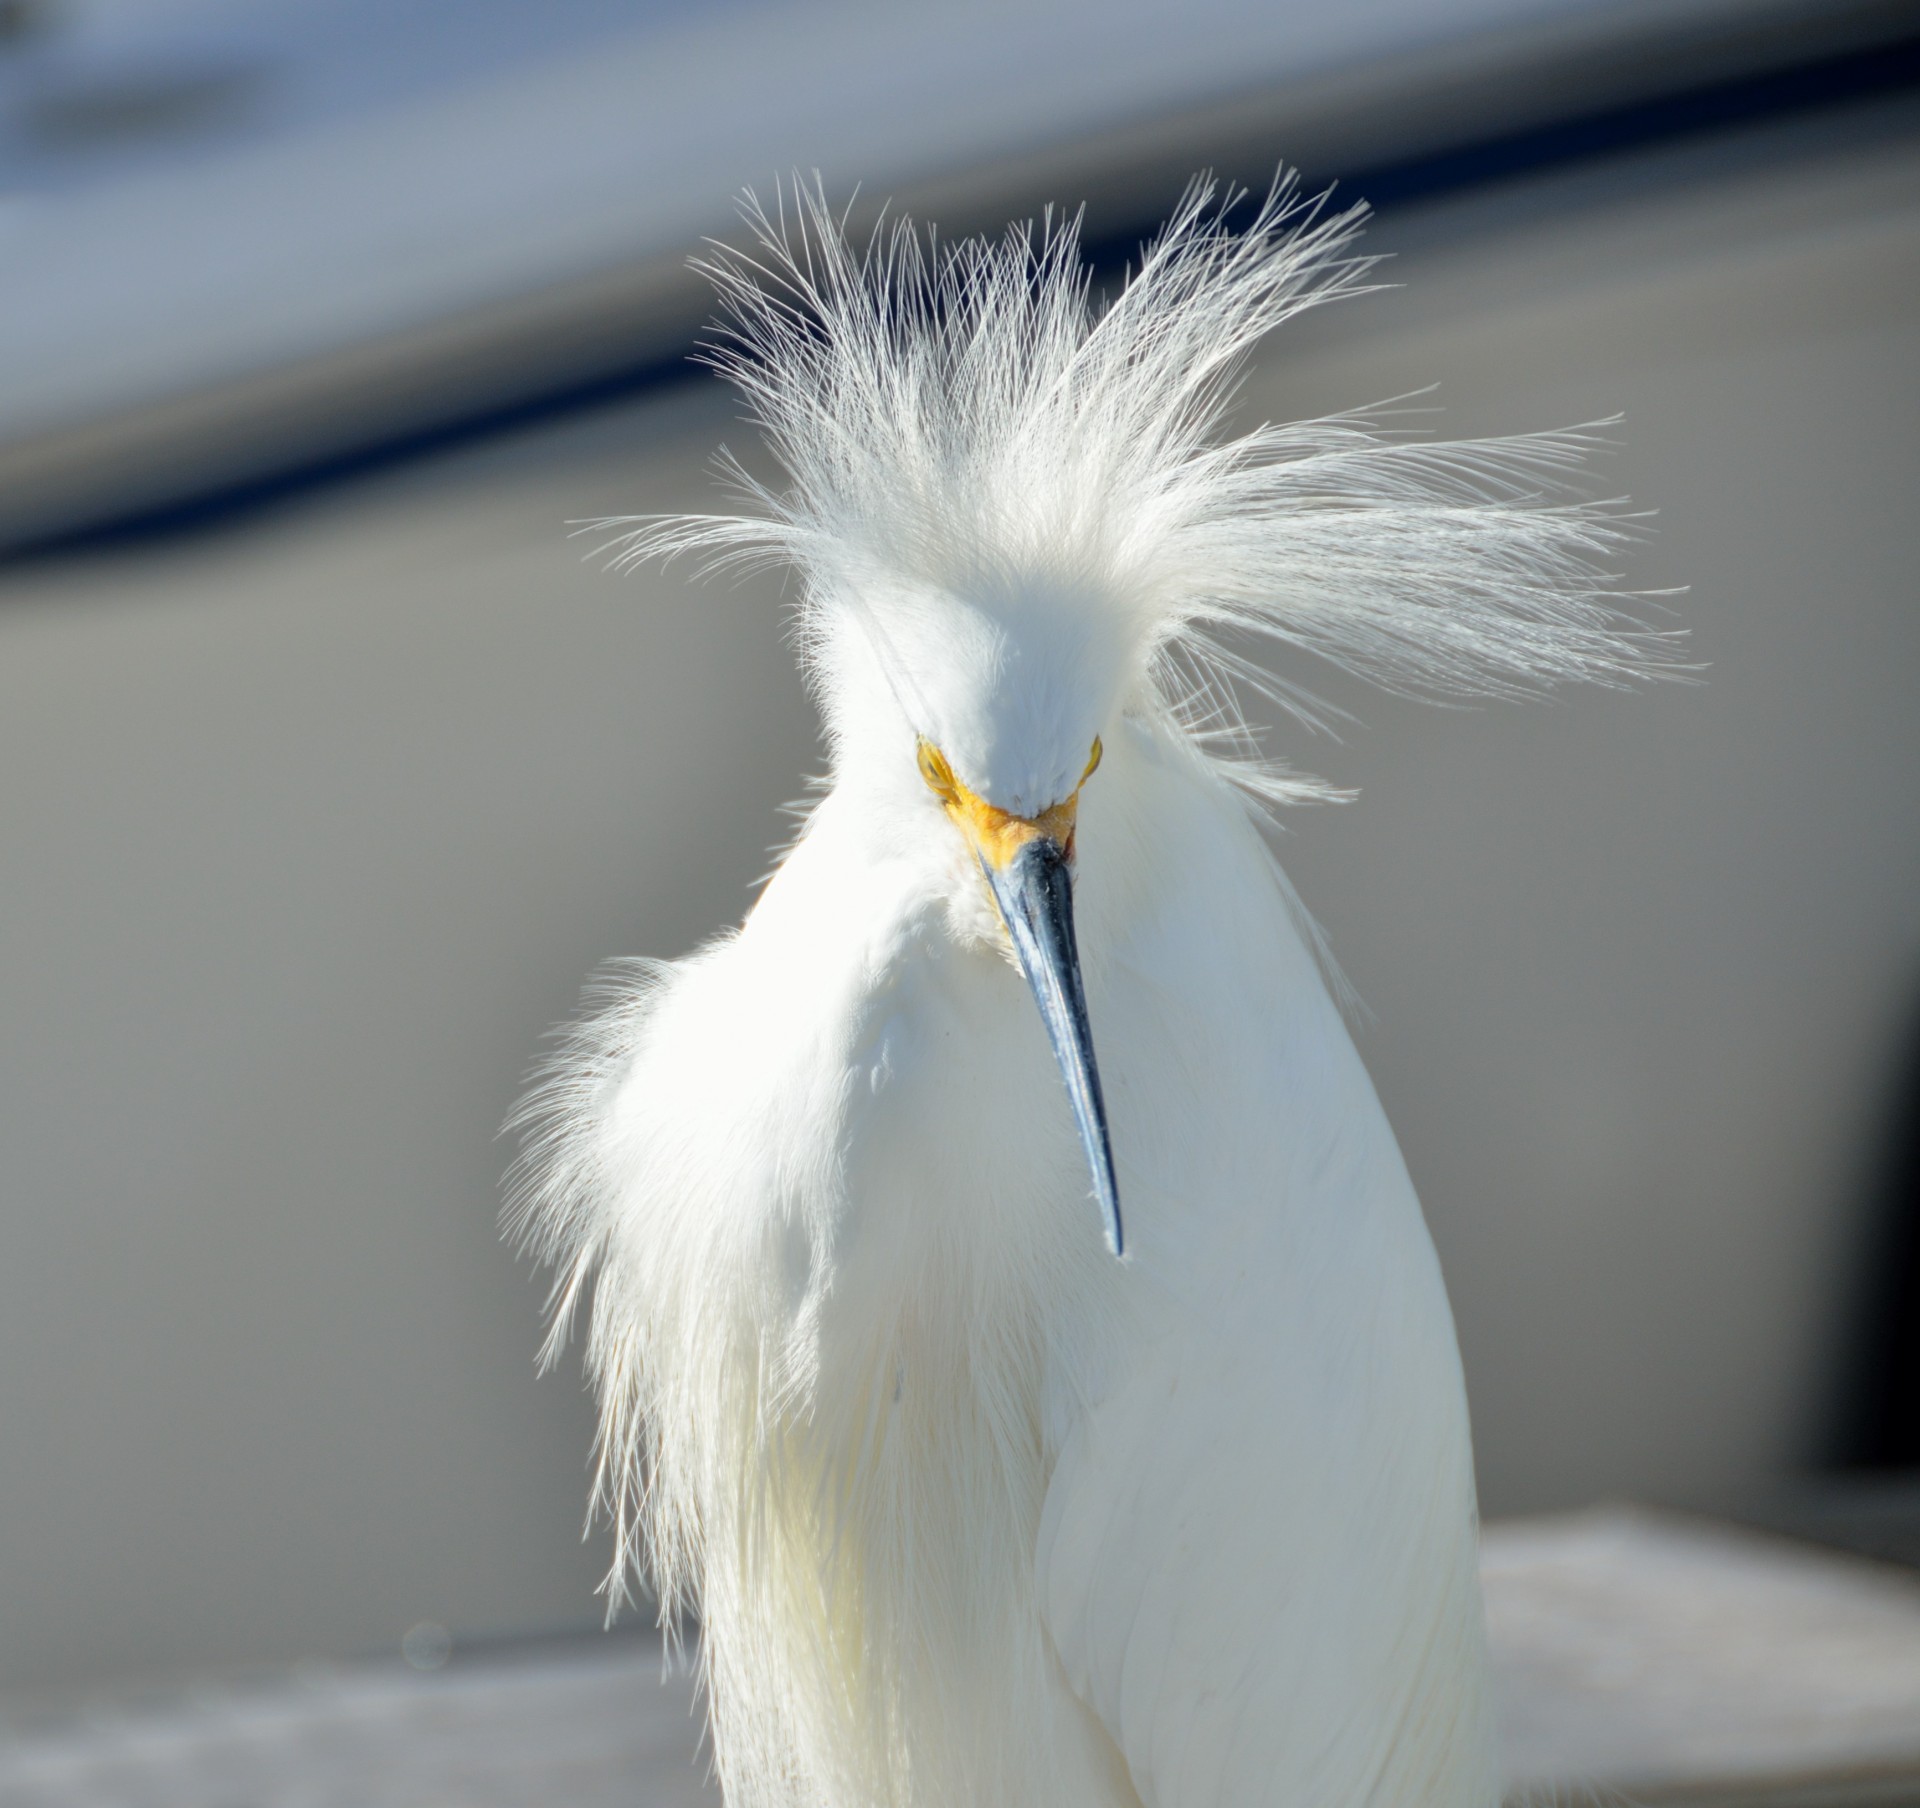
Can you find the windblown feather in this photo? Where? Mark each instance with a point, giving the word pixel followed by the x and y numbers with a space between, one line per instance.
pixel 970 418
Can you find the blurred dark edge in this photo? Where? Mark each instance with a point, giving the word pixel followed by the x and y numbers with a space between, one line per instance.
pixel 1873 1516
pixel 1399 133
pixel 1877 1415
pixel 1865 1497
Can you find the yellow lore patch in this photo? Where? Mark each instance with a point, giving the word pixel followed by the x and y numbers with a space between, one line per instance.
pixel 996 835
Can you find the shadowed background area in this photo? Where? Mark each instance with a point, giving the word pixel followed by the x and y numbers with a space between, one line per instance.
pixel 329 770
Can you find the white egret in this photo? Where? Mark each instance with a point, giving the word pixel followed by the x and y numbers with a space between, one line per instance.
pixel 971 1511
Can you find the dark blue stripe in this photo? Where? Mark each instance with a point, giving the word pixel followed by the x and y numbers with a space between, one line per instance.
pixel 231 500
pixel 1883 71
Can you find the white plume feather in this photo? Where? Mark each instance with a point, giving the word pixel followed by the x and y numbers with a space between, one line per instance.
pixel 969 419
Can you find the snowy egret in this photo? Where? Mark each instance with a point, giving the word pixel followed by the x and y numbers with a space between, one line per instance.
pixel 971 1511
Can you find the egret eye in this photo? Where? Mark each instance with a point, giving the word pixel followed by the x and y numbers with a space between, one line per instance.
pixel 935 770
pixel 1093 761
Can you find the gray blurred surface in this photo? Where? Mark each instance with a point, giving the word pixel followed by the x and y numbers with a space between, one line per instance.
pixel 580 1725
pixel 313 825
pixel 1637 1658
pixel 1657 1659
pixel 1648 1658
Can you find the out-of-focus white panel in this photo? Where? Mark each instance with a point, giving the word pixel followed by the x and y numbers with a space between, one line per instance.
pixel 373 211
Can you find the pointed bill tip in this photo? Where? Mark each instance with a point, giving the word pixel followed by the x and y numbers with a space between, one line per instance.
pixel 1110 1215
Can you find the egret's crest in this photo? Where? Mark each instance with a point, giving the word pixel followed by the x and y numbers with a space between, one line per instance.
pixel 966 428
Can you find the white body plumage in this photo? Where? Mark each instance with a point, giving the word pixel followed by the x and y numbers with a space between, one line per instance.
pixel 972 1512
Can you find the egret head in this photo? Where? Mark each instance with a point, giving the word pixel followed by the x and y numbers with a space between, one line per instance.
pixel 969 724
pixel 1015 521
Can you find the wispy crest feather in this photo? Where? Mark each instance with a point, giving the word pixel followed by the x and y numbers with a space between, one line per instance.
pixel 969 415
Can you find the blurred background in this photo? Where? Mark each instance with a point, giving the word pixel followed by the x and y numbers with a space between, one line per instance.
pixel 329 771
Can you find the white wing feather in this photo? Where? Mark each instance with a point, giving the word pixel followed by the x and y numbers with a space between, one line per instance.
pixel 1260 1516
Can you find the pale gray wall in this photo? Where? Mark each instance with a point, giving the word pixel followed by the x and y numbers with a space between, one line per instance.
pixel 1643 967
pixel 311 826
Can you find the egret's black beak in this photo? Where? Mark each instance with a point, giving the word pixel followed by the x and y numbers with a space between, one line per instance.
pixel 1035 892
